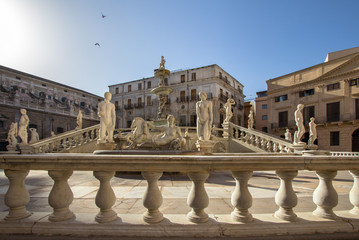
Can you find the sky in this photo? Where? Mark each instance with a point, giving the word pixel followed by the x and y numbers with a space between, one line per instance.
pixel 253 41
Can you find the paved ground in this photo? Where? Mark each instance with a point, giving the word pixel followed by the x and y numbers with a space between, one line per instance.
pixel 129 189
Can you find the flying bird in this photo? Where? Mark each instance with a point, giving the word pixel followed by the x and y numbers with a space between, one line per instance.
pixel 103 16
pixel 97 44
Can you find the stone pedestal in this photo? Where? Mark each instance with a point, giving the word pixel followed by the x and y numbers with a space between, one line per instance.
pixel 25 148
pixel 298 147
pixel 205 147
pixel 312 147
pixel 106 146
pixel 225 126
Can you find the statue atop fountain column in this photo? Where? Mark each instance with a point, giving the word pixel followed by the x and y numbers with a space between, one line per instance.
pixel 23 124
pixel 162 91
pixel 312 134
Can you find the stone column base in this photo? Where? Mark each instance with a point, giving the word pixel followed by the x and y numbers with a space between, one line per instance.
pixel 25 148
pixel 106 146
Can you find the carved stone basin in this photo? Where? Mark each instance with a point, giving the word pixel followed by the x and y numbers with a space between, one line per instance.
pixel 145 152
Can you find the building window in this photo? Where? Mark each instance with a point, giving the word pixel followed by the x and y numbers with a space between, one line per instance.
pixel 140 86
pixel 166 81
pixel 149 84
pixel 193 94
pixel 116 90
pixel 182 96
pixel 264 129
pixel 283 119
pixel 129 102
pixel 333 112
pixel 308 112
pixel 182 120
pixel 194 120
pixel 2 125
pixel 264 106
pixel 49 97
pixel 183 78
pixel 334 138
pixel 221 91
pixel 193 76
pixel 357 108
pixel 149 101
pixel 264 117
pixel 354 82
pixel 281 98
pixel 220 75
pixel 116 104
pixel 307 92
pixel 19 78
pixel 59 130
pixel 129 88
pixel 333 86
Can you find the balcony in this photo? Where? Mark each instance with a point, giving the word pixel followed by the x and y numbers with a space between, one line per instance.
pixel 128 106
pixel 240 222
pixel 222 97
pixel 139 105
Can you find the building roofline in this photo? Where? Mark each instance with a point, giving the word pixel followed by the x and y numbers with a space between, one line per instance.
pixel 314 66
pixel 172 71
pixel 46 80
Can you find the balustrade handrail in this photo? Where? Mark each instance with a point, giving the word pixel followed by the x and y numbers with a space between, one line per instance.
pixel 185 163
pixel 340 154
pixel 265 136
pixel 63 136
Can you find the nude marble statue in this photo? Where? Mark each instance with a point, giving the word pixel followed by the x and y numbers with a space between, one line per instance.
pixel 34 136
pixel 170 133
pixel 11 137
pixel 312 131
pixel 250 120
pixel 106 112
pixel 204 111
pixel 228 108
pixel 23 124
pixel 288 135
pixel 298 116
pixel 79 120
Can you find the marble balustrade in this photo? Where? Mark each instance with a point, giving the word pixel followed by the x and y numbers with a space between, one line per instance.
pixel 60 167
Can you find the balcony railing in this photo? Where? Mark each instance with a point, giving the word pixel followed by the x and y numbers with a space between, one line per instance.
pixel 139 105
pixel 222 97
pixel 128 106
pixel 285 220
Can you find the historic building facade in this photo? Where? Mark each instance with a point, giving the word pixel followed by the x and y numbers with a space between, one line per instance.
pixel 261 116
pixel 134 99
pixel 51 106
pixel 329 92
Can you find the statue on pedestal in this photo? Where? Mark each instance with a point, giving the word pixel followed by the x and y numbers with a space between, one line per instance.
pixel 298 117
pixel 79 121
pixel 250 120
pixel 23 124
pixel 312 132
pixel 204 112
pixel 106 112
pixel 288 135
pixel 11 137
pixel 34 136
pixel 228 108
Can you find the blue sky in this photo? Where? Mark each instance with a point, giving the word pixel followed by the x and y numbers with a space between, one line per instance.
pixel 252 40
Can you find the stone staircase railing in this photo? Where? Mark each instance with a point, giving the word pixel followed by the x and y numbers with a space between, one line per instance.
pixel 284 221
pixel 345 154
pixel 266 142
pixel 66 141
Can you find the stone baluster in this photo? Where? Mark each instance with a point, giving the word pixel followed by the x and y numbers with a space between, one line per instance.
pixel 152 199
pixel 281 148
pixel 241 197
pixel 354 192
pixel 236 134
pixel 97 133
pixel 60 196
pixel 88 137
pixel 105 197
pixel 242 136
pixel 285 197
pixel 275 147
pixel 257 142
pixel 270 146
pixel 198 198
pixel 325 196
pixel 17 195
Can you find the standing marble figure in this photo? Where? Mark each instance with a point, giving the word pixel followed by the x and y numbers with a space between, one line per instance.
pixel 23 124
pixel 204 117
pixel 79 120
pixel 34 136
pixel 298 116
pixel 250 120
pixel 228 108
pixel 288 135
pixel 106 112
pixel 11 137
pixel 312 131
